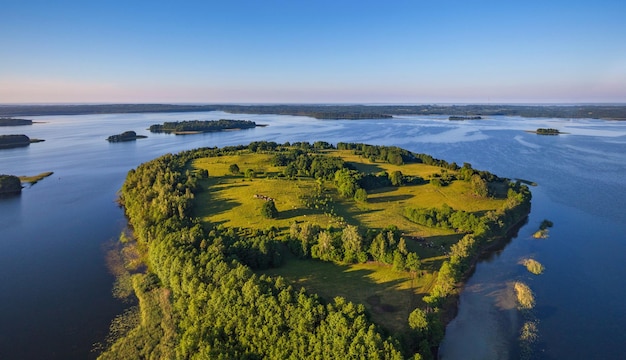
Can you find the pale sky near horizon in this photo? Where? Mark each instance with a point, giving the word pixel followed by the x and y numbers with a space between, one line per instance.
pixel 313 51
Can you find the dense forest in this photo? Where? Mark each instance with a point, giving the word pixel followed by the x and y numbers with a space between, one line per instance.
pixel 202 126
pixel 599 111
pixel 10 184
pixel 200 297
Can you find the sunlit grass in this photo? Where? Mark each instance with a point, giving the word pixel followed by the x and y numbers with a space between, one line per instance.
pixel 34 179
pixel 389 295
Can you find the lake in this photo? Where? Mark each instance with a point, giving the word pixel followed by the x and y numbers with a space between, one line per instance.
pixel 55 289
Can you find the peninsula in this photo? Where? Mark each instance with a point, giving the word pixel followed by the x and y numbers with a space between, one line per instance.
pixel 300 249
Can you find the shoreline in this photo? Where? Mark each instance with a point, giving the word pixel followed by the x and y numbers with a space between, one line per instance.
pixel 450 308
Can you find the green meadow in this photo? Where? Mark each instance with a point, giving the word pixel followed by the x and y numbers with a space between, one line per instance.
pixel 229 199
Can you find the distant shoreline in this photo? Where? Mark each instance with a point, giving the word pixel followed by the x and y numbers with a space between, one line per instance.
pixel 336 112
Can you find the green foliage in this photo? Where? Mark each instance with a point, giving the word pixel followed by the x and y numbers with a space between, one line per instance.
pixel 206 304
pixel 360 195
pixel 396 178
pixel 249 174
pixel 234 169
pixel 268 210
pixel 479 186
pixel 202 126
pixel 205 289
pixel 418 321
pixel 10 184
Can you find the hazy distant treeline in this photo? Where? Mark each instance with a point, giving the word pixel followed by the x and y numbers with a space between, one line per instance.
pixel 614 112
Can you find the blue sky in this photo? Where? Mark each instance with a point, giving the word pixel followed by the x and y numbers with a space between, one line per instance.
pixel 303 51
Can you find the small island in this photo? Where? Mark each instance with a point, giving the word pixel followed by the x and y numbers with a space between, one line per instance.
pixel 548 131
pixel 13 141
pixel 199 126
pixel 14 122
pixel 125 136
pixel 465 118
pixel 10 184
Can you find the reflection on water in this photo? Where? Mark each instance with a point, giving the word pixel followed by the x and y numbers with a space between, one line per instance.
pixel 55 290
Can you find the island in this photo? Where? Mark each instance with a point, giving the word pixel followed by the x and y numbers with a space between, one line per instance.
pixel 13 141
pixel 199 126
pixel 14 122
pixel 125 136
pixel 300 250
pixel 456 117
pixel 549 131
pixel 10 184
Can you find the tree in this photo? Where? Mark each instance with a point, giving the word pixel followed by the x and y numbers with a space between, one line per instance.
pixel 418 321
pixel 249 173
pixel 396 178
pixel 234 169
pixel 268 210
pixel 412 262
pixel 360 195
pixel 479 186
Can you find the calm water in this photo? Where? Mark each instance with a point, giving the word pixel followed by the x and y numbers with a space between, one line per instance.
pixel 55 290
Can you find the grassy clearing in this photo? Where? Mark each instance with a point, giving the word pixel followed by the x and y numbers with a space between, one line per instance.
pixel 388 295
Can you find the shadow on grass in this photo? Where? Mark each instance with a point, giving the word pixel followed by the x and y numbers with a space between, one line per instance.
pixel 366 168
pixel 390 198
pixel 386 301
pixel 293 213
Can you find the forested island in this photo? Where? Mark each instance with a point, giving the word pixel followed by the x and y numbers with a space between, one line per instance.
pixel 302 250
pixel 125 136
pixel 10 184
pixel 199 126
pixel 456 117
pixel 11 141
pixel 14 122
pixel 598 111
pixel 549 131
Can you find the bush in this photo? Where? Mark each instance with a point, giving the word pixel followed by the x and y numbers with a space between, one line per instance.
pixel 268 210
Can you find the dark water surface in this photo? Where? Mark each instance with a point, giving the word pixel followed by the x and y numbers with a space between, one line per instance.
pixel 55 290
